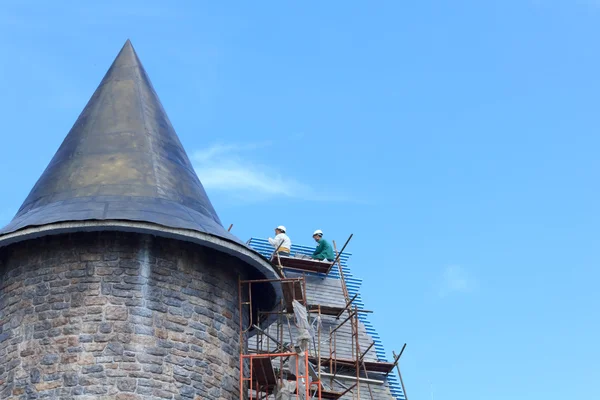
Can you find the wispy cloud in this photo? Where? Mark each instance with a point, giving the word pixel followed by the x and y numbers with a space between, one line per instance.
pixel 228 168
pixel 456 279
pixel 232 150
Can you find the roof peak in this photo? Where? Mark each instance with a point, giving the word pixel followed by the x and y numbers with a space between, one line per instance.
pixel 123 159
pixel 123 144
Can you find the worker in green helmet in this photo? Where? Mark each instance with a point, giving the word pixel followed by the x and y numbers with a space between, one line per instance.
pixel 324 251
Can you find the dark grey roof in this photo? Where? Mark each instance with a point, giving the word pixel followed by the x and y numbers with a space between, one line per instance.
pixel 123 161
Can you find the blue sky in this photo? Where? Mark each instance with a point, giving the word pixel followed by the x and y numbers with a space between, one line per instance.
pixel 457 141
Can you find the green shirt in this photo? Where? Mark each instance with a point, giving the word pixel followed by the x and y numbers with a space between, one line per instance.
pixel 324 251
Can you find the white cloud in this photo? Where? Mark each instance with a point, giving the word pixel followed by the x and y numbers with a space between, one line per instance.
pixel 456 279
pixel 232 150
pixel 226 167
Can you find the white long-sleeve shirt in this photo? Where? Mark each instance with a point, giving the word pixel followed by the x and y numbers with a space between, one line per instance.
pixel 284 240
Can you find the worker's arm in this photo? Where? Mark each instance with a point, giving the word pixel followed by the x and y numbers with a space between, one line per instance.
pixel 275 242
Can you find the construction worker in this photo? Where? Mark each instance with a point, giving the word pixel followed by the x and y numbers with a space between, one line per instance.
pixel 324 251
pixel 281 241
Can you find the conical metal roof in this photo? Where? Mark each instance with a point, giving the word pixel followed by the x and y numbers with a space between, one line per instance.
pixel 122 167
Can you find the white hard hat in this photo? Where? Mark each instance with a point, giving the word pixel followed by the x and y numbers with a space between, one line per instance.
pixel 281 228
pixel 318 232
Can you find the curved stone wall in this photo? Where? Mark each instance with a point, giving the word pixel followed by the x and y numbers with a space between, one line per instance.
pixel 117 316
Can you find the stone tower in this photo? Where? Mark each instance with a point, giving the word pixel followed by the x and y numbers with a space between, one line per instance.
pixel 117 279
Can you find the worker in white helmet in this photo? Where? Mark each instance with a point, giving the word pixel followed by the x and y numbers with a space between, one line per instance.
pixel 324 251
pixel 281 241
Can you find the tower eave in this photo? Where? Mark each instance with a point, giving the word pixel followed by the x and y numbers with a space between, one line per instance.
pixel 231 247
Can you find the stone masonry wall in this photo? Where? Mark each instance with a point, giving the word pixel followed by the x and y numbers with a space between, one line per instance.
pixel 117 316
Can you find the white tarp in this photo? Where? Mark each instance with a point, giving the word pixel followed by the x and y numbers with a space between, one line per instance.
pixel 300 372
pixel 285 390
pixel 306 332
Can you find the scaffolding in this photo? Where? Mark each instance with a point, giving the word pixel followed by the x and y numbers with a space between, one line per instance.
pixel 282 363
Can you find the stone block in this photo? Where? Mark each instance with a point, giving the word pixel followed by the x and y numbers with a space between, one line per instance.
pixel 116 313
pixel 127 384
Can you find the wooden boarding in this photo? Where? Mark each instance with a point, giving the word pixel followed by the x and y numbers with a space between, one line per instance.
pixel 335 311
pixel 326 310
pixel 292 291
pixel 371 366
pixel 262 372
pixel 302 264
